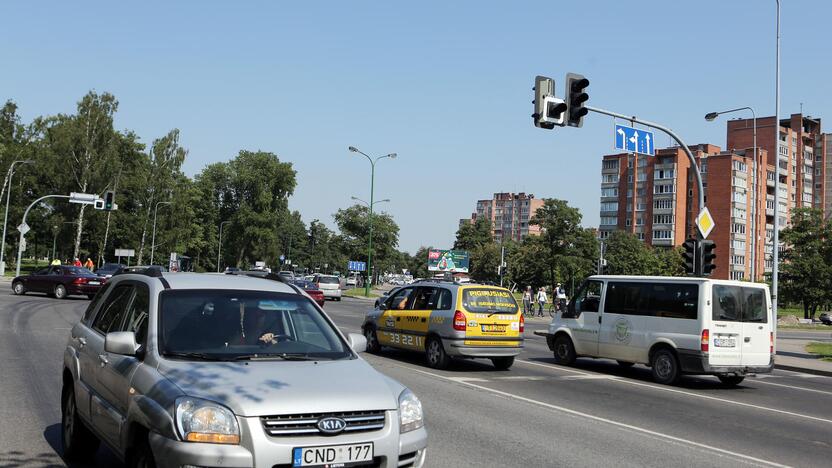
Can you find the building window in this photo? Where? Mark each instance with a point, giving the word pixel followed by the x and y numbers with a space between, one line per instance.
pixel 609 220
pixel 663 174
pixel 609 192
pixel 663 204
pixel 738 244
pixel 738 228
pixel 641 206
pixel 639 221
pixel 640 235
pixel 610 178
pixel 662 234
pixel 737 275
pixel 628 222
pixel 663 219
pixel 609 206
pixel 603 234
pixel 737 259
pixel 739 182
pixel 738 213
pixel 740 166
pixel 664 188
pixel 610 164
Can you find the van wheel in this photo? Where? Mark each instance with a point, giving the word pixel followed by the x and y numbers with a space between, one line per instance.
pixel 731 380
pixel 435 353
pixel 502 363
pixel 625 363
pixel 60 292
pixel 77 441
pixel 564 351
pixel 373 345
pixel 142 456
pixel 665 367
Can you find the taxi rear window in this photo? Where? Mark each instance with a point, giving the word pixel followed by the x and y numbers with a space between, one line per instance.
pixel 484 300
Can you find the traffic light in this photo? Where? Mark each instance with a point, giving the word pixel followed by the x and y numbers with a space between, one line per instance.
pixel 707 248
pixel 576 98
pixel 109 200
pixel 690 254
pixel 544 91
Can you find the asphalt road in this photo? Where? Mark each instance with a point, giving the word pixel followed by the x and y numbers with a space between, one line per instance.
pixel 536 414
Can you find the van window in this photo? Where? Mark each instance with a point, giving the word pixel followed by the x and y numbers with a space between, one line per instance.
pixel 588 299
pixel 484 300
pixel 739 304
pixel 667 300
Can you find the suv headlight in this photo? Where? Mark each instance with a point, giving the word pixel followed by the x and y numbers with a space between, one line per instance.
pixel 201 420
pixel 410 412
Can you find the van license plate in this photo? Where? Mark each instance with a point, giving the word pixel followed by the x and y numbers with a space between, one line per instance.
pixel 332 455
pixel 725 343
pixel 493 328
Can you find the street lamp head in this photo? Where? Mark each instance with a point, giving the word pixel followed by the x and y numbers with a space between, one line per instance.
pixel 28 161
pixel 711 116
pixel 392 155
pixel 386 200
pixel 353 149
pixel 354 198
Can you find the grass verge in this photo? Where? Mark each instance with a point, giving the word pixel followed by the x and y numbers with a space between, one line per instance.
pixel 824 350
pixel 359 292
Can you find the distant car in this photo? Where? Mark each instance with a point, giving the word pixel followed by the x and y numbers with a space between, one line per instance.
pixel 825 318
pixel 316 294
pixel 107 270
pixel 60 281
pixel 330 285
pixel 231 270
pixel 287 275
pixel 352 281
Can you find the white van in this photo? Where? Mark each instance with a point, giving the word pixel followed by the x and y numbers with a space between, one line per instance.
pixel 674 325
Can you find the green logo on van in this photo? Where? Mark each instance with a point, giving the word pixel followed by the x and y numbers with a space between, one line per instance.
pixel 622 330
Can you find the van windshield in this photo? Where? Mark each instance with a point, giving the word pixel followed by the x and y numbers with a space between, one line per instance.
pixel 739 304
pixel 233 325
pixel 484 300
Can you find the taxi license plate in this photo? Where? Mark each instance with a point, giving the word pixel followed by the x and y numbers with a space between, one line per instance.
pixel 332 455
pixel 493 328
pixel 725 343
pixel 94 283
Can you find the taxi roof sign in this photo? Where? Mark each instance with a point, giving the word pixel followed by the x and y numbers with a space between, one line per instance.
pixel 705 222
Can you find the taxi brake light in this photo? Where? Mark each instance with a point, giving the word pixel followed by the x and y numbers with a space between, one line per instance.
pixel 706 339
pixel 522 324
pixel 459 321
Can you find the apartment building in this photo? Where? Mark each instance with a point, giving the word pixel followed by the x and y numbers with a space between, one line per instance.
pixel 656 199
pixel 801 159
pixel 509 214
pixel 826 170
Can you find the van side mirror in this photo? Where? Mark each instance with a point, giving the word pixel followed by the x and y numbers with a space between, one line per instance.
pixel 123 343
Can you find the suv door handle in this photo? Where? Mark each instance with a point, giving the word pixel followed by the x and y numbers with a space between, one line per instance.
pixel 102 358
pixel 81 341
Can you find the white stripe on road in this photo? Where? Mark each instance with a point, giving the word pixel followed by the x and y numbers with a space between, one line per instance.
pixel 599 419
pixel 792 387
pixel 683 392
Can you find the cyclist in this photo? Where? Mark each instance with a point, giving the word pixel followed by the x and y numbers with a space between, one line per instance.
pixel 560 297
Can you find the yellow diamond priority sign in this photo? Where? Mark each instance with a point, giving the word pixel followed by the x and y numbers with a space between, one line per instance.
pixel 705 222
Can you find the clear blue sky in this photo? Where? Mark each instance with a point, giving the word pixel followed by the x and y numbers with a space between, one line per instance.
pixel 446 86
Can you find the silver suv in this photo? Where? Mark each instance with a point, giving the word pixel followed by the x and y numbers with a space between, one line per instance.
pixel 209 370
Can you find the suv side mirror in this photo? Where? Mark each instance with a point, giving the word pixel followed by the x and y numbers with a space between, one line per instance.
pixel 123 343
pixel 358 342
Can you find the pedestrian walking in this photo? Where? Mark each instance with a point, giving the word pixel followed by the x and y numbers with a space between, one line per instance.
pixel 527 301
pixel 77 262
pixel 541 300
pixel 89 264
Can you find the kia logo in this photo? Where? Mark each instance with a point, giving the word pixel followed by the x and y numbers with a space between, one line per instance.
pixel 331 425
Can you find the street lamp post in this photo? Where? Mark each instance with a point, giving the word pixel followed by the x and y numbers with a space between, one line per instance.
pixel 219 246
pixel 710 117
pixel 6 217
pixel 153 242
pixel 372 182
pixel 776 240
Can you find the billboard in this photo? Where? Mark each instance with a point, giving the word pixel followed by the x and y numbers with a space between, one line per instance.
pixel 455 261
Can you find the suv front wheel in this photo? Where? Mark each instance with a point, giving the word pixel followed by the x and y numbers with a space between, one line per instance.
pixel 78 442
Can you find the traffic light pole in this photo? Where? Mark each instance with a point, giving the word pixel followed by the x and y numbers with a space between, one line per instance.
pixel 26 213
pixel 670 133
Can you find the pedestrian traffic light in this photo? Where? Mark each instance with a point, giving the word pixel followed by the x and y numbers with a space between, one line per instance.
pixel 707 248
pixel 576 98
pixel 544 88
pixel 690 254
pixel 109 200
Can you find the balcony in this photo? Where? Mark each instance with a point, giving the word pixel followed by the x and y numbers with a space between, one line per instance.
pixel 770 182
pixel 663 242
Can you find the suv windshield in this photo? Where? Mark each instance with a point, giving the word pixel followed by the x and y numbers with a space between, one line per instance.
pixel 229 325
pixel 483 300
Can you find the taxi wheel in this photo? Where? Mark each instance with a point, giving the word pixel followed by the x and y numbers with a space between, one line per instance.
pixel 564 350
pixel 502 363
pixel 373 345
pixel 435 354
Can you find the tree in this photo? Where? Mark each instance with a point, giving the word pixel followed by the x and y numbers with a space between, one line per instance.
pixel 417 264
pixel 483 252
pixel 353 223
pixel 525 264
pixel 806 263
pixel 627 255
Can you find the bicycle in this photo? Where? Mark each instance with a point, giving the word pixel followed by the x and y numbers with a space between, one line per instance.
pixel 556 306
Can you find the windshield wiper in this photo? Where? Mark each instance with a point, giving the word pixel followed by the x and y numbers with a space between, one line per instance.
pixel 283 356
pixel 203 356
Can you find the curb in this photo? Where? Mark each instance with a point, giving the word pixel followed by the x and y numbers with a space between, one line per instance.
pixel 360 298
pixel 804 370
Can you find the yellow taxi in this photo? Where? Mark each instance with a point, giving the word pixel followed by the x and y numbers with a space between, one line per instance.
pixel 448 320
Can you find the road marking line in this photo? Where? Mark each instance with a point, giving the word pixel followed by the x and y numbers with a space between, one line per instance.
pixel 590 377
pixel 793 387
pixel 602 420
pixel 683 392
pixel 466 379
pixel 525 378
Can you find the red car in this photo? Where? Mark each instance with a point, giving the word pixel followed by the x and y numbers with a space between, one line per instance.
pixel 60 281
pixel 316 294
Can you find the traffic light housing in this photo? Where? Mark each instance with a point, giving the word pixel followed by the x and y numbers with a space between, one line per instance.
pixel 689 254
pixel 707 249
pixel 544 87
pixel 109 200
pixel 576 98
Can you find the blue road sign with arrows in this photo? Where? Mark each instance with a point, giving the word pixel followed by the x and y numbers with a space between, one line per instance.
pixel 357 266
pixel 635 140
